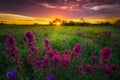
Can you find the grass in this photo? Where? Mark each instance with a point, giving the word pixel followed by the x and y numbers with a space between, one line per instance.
pixel 62 38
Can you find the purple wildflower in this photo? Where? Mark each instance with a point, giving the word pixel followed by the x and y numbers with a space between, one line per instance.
pixel 12 75
pixel 89 68
pixel 65 60
pixel 46 44
pixel 105 55
pixel 39 64
pixel 80 69
pixel 50 77
pixel 56 60
pixel 114 67
pixel 76 51
pixel 32 49
pixel 107 69
pixel 93 58
pixel 11 47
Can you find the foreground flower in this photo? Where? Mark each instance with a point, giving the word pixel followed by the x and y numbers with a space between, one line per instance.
pixel 12 75
pixel 114 67
pixel 93 58
pixel 65 60
pixel 39 64
pixel 46 44
pixel 76 51
pixel 56 60
pixel 11 47
pixel 107 69
pixel 50 77
pixel 89 68
pixel 32 49
pixel 80 69
pixel 105 55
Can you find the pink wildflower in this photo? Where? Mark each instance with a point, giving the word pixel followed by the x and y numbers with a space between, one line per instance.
pixel 107 69
pixel 93 58
pixel 114 67
pixel 31 45
pixel 76 51
pixel 80 69
pixel 11 47
pixel 89 68
pixel 65 61
pixel 46 44
pixel 105 55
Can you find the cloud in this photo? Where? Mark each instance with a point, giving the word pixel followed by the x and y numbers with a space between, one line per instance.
pixel 20 19
pixel 48 5
pixel 105 7
pixel 63 7
pixel 4 16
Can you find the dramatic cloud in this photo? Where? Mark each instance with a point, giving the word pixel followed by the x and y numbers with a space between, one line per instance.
pixel 67 8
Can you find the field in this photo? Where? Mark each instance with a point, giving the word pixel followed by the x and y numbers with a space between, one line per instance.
pixel 92 39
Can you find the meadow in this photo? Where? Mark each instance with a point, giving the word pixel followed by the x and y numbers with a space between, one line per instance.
pixel 91 38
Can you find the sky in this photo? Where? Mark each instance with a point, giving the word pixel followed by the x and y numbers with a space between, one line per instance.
pixel 42 11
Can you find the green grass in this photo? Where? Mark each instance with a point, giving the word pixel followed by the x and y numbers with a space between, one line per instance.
pixel 62 38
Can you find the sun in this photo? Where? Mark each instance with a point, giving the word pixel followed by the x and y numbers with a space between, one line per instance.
pixel 58 23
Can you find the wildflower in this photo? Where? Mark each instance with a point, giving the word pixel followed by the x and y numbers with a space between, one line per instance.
pixel 86 49
pixel 89 68
pixel 76 51
pixel 114 67
pixel 35 49
pixel 56 52
pixel 50 53
pixel 105 55
pixel 10 41
pixel 12 75
pixel 32 49
pixel 29 35
pixel 65 60
pixel 65 52
pixel 93 58
pixel 31 59
pixel 56 60
pixel 46 62
pixel 11 47
pixel 80 69
pixel 50 77
pixel 107 69
pixel 46 44
pixel 39 64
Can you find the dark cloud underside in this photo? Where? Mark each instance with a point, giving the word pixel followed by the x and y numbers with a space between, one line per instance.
pixel 75 8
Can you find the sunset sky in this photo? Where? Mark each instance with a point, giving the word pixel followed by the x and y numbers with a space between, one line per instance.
pixel 42 11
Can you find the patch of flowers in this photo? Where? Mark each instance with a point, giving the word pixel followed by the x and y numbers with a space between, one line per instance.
pixel 54 59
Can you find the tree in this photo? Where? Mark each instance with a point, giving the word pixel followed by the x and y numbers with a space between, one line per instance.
pixel 117 23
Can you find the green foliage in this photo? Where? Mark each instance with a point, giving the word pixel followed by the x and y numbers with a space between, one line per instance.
pixel 61 38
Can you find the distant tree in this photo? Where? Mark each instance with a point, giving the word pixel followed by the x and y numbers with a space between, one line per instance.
pixel 82 19
pixel 64 23
pixel 105 24
pixel 35 24
pixel 117 23
pixel 1 23
pixel 56 21
pixel 50 23
pixel 71 23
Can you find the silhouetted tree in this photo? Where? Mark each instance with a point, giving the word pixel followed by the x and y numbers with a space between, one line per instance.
pixel 35 24
pixel 117 23
pixel 105 24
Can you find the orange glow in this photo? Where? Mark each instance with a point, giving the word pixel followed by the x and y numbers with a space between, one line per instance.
pixel 58 23
pixel 20 19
